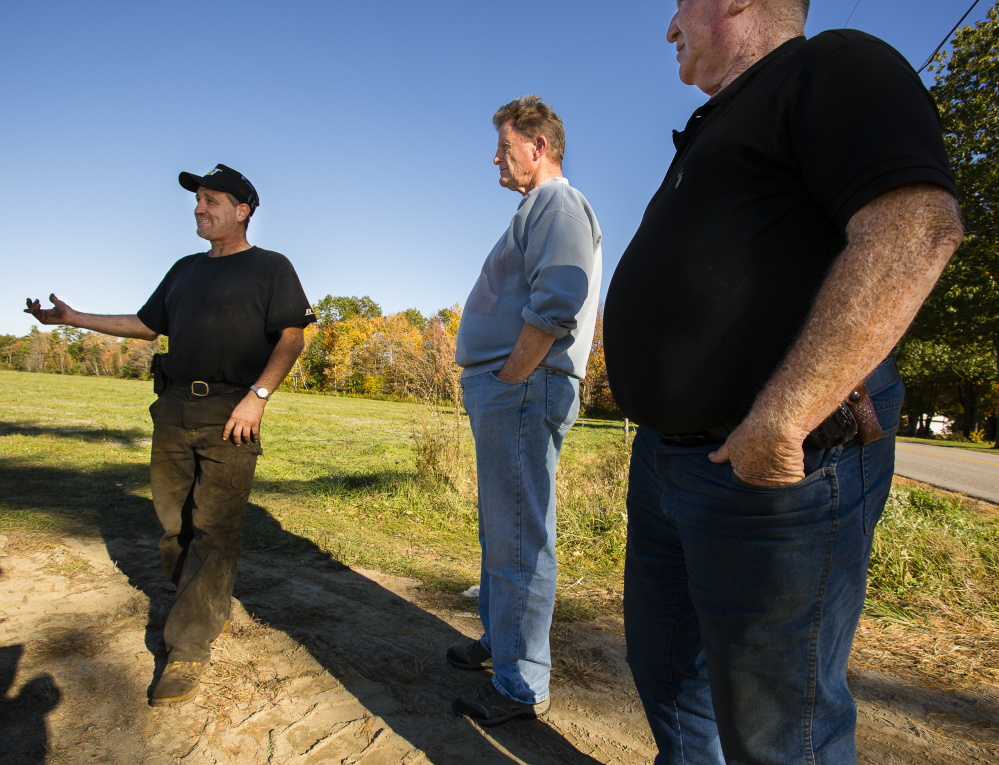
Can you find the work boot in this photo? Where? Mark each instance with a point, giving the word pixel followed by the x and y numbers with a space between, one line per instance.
pixel 179 683
pixel 490 707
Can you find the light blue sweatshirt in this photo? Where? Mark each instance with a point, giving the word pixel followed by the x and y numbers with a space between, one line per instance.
pixel 544 270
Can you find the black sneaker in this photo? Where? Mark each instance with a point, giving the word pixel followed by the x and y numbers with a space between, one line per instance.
pixel 471 656
pixel 490 707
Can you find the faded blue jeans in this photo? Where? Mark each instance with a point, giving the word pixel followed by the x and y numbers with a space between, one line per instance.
pixel 518 429
pixel 741 602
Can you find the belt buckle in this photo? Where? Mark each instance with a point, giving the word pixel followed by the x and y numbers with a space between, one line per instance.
pixel 199 382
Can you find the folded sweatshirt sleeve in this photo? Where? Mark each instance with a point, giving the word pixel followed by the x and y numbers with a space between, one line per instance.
pixel 559 263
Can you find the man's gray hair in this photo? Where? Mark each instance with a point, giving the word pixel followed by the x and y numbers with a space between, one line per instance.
pixel 531 117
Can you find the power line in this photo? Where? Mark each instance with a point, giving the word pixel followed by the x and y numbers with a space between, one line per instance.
pixel 851 14
pixel 942 42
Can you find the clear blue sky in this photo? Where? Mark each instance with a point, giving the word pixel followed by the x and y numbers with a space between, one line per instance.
pixel 366 128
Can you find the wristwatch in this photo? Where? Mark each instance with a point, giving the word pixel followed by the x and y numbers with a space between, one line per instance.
pixel 261 392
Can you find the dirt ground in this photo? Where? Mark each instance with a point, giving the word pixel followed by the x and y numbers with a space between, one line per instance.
pixel 326 664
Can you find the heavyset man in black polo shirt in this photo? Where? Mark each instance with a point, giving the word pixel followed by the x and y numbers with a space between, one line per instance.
pixel 807 213
pixel 235 317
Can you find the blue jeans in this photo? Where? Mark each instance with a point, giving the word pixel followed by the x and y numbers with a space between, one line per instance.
pixel 741 602
pixel 518 429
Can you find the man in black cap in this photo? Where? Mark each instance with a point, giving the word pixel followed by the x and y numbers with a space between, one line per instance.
pixel 235 316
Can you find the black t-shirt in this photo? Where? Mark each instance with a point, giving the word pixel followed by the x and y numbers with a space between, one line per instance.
pixel 225 315
pixel 719 278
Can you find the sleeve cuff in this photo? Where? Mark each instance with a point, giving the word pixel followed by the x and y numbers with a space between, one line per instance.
pixel 545 324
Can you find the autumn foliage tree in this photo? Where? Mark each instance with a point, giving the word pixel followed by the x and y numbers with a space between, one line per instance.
pixel 594 391
pixel 353 348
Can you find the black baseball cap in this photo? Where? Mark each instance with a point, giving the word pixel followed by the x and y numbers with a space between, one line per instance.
pixel 223 178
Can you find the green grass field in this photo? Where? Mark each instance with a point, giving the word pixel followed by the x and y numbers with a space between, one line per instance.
pixel 341 474
pixel 954 444
pixel 337 473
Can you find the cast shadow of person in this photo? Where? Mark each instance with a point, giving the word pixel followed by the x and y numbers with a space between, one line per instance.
pixel 23 718
pixel 385 651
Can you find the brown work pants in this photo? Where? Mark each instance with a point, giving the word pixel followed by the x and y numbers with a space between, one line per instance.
pixel 200 486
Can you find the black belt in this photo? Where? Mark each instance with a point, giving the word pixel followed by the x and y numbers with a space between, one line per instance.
pixel 884 375
pixel 199 388
pixel 716 435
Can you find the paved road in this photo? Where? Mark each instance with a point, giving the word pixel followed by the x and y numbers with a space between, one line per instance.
pixel 971 472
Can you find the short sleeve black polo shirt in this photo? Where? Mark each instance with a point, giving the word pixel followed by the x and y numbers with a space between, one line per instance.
pixel 719 278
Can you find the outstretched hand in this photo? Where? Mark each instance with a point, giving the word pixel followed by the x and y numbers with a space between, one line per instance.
pixel 244 422
pixel 59 314
pixel 762 458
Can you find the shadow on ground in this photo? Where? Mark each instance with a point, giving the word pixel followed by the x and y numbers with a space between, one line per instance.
pixel 23 717
pixel 372 641
pixel 132 436
pixel 961 714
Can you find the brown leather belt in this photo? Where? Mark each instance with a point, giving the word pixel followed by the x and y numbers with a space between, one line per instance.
pixel 858 402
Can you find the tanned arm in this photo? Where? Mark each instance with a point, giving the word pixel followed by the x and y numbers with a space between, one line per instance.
pixel 244 422
pixel 530 350
pixel 897 246
pixel 120 325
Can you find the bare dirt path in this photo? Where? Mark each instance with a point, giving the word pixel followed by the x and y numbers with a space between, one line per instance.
pixel 331 665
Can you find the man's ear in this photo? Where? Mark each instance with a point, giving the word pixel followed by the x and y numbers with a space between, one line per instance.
pixel 540 146
pixel 735 7
pixel 242 212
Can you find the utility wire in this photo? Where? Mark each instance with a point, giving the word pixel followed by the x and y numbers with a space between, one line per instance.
pixel 942 42
pixel 851 14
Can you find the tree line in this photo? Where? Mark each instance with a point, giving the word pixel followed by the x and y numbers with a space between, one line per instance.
pixel 352 349
pixel 70 351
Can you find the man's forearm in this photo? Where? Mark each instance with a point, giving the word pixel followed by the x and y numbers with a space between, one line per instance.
pixel 244 422
pixel 898 245
pixel 120 325
pixel 530 350
pixel 287 350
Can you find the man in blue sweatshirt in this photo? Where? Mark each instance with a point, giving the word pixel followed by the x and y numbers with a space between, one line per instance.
pixel 524 341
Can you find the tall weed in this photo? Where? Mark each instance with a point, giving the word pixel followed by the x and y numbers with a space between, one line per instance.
pixel 592 520
pixel 931 552
pixel 442 454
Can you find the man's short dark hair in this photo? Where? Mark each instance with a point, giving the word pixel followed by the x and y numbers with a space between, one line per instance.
pixel 237 203
pixel 531 117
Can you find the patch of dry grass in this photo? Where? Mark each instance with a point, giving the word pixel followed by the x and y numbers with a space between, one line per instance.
pixel 948 650
pixel 77 642
pixel 396 671
pixel 933 590
pixel 441 441
pixel 66 563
